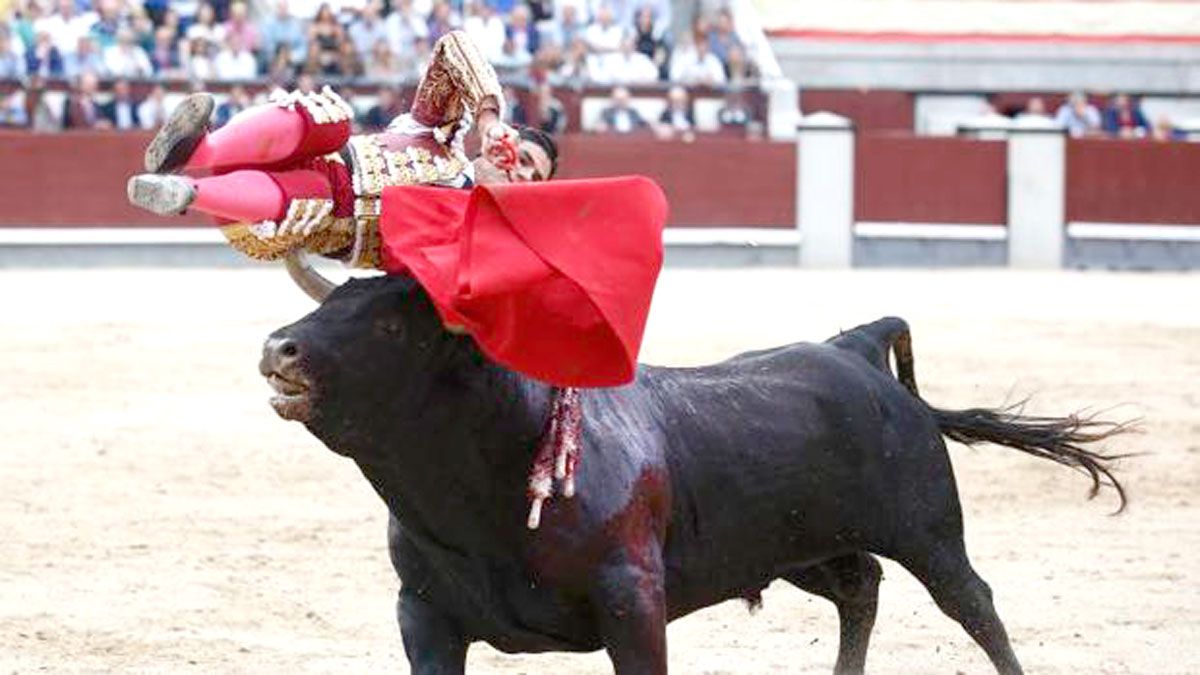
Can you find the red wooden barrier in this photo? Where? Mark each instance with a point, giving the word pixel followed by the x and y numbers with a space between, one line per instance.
pixel 1133 182
pixel 916 179
pixel 871 110
pixel 78 178
pixel 73 179
pixel 712 182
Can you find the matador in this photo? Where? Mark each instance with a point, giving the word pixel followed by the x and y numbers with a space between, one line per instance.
pixel 551 279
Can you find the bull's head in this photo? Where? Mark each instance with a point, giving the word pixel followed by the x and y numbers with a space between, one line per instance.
pixel 375 349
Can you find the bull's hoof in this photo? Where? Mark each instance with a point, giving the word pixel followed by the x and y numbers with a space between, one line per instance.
pixel 164 195
pixel 174 143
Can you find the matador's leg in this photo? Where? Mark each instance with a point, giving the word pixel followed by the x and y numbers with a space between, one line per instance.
pixel 240 196
pixel 291 128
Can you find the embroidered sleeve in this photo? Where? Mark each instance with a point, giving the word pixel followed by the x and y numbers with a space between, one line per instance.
pixel 459 80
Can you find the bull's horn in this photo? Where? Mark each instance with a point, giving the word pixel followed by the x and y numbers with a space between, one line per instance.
pixel 308 279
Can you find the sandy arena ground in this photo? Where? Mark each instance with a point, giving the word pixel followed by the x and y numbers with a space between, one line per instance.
pixel 155 515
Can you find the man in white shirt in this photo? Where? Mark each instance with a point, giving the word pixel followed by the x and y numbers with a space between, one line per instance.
pixel 367 29
pixel 404 26
pixel 485 29
pixel 66 26
pixel 694 63
pixel 126 58
pixel 627 66
pixel 604 35
pixel 234 62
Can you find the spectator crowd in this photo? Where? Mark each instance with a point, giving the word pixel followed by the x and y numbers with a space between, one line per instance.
pixel 98 46
pixel 1120 117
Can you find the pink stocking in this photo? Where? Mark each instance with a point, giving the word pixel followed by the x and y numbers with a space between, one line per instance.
pixel 254 196
pixel 267 135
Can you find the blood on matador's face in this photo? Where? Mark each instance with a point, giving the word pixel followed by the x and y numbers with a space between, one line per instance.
pixel 533 164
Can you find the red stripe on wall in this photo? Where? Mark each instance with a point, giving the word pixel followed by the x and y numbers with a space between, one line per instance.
pixel 904 178
pixel 921 37
pixel 1110 181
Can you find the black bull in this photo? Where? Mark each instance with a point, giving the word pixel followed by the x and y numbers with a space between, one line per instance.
pixel 697 485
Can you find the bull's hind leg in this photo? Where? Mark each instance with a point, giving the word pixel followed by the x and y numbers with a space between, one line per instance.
pixel 965 597
pixel 852 583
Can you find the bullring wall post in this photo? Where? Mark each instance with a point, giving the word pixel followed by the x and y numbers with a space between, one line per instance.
pixel 1036 197
pixel 825 190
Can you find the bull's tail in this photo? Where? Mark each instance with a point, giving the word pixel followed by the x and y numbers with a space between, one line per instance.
pixel 1058 439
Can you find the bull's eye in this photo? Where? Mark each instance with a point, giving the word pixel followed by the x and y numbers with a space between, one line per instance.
pixel 391 328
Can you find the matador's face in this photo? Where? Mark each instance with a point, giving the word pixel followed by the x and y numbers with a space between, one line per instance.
pixel 533 164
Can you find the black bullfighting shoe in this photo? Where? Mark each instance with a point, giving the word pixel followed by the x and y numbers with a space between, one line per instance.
pixel 164 195
pixel 174 143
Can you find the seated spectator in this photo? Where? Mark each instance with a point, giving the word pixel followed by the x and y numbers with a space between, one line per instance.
pixel 122 111
pixel 648 40
pixel 198 60
pixel 1077 116
pixel 12 109
pixel 237 101
pixel 1164 130
pixel 521 32
pixel 126 58
pixel 108 23
pixel 485 29
pixel 164 56
pixel 514 112
pixel 242 26
pixel 80 110
pixel 234 61
pixel 414 64
pixel 541 10
pixel 511 59
pixel 722 37
pixel 621 117
pixel 367 29
pixel 153 111
pixel 693 64
pixel 738 68
pixel 387 108
pixel 282 67
pixel 13 65
pixel 349 65
pixel 205 26
pixel 627 66
pixel 1035 109
pixel 563 31
pixel 575 66
pixel 381 63
pixel 85 59
pixel 1124 119
pixel 442 20
pixel 403 26
pixel 735 113
pixel 677 120
pixel 604 35
pixel 66 25
pixel 283 29
pixel 325 38
pixel 552 115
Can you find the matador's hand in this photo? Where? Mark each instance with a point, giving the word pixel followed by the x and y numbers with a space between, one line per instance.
pixel 499 146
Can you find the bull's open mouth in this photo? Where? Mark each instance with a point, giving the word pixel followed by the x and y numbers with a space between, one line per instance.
pixel 292 397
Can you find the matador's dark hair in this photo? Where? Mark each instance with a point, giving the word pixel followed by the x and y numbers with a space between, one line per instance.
pixel 543 139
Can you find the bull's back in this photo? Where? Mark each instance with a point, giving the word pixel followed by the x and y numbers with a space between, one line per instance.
pixel 775 457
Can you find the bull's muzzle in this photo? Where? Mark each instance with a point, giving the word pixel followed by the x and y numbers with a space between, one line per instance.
pixel 281 365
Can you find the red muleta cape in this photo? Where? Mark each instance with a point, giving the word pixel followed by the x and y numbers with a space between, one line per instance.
pixel 553 280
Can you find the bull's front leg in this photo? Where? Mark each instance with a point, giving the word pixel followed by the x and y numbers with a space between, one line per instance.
pixel 630 603
pixel 433 642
